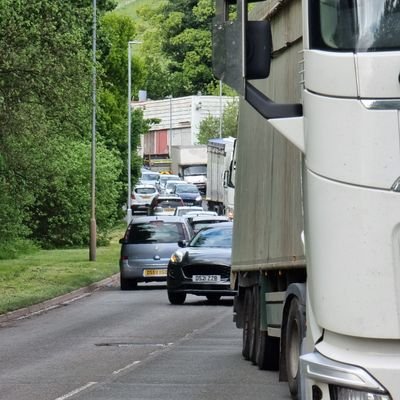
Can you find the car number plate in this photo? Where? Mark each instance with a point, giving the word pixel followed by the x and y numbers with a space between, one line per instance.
pixel 155 272
pixel 206 278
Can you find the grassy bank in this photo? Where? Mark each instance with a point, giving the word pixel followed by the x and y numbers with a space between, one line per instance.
pixel 46 274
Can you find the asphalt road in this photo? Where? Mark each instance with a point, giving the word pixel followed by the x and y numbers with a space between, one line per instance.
pixel 130 345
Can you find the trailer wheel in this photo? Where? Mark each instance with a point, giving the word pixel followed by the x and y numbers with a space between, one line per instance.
pixel 255 326
pixel 295 329
pixel 247 322
pixel 266 352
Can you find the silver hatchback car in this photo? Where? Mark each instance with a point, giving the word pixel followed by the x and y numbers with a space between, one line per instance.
pixel 147 246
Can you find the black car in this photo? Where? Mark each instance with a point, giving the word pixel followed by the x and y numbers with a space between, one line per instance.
pixel 202 267
pixel 188 193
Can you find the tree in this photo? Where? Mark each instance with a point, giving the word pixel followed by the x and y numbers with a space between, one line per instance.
pixel 209 127
pixel 45 117
pixel 181 40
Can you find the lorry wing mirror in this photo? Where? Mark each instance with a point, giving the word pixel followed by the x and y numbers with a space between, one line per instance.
pixel 230 45
pixel 232 168
pixel 240 39
pixel 258 52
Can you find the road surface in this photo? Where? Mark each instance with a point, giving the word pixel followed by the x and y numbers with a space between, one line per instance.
pixel 130 345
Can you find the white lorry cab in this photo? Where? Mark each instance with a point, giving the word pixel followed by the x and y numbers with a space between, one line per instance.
pixel 319 82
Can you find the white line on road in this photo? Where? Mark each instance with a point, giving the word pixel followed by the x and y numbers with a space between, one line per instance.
pixel 125 368
pixel 76 391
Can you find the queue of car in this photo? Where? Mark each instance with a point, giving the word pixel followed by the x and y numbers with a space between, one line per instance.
pixel 176 242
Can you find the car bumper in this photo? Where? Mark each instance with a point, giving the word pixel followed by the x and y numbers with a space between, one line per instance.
pixel 140 207
pixel 144 272
pixel 179 283
pixel 197 203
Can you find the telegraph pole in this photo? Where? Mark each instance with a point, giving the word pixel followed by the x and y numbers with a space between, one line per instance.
pixel 93 228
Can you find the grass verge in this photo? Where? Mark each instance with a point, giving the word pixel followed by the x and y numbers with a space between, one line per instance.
pixel 46 274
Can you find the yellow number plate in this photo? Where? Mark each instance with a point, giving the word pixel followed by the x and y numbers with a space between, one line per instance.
pixel 155 272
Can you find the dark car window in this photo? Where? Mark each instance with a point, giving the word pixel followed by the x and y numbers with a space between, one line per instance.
pixel 213 237
pixel 169 203
pixel 186 189
pixel 149 177
pixel 156 232
pixel 201 224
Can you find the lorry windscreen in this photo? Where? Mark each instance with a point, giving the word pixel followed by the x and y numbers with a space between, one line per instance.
pixel 355 25
pixel 195 170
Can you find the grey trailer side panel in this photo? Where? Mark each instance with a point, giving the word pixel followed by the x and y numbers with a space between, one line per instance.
pixel 268 195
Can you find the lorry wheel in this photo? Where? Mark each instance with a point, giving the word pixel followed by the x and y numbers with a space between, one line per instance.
pixel 295 330
pixel 266 351
pixel 255 325
pixel 176 298
pixel 247 321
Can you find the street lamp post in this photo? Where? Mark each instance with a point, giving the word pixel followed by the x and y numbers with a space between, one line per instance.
pixel 220 109
pixel 170 125
pixel 93 227
pixel 129 202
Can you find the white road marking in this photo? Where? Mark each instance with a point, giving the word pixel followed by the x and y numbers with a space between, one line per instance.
pixel 76 391
pixel 125 368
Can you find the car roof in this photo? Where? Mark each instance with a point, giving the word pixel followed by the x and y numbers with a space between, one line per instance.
pixel 170 177
pixel 227 224
pixel 168 197
pixel 144 185
pixel 165 218
pixel 196 209
pixel 200 213
pixel 183 183
pixel 201 218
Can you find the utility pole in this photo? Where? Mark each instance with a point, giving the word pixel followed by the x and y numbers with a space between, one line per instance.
pixel 93 227
pixel 129 200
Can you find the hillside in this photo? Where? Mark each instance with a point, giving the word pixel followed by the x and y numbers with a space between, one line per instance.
pixel 130 7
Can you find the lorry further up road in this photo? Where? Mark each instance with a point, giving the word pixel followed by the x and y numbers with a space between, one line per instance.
pixel 190 163
pixel 316 240
pixel 220 196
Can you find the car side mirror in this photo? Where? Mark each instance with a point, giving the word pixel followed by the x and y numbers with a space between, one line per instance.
pixel 122 241
pixel 182 243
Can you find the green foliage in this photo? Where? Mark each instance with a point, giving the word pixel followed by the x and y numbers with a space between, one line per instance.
pixel 61 211
pixel 209 126
pixel 45 121
pixel 177 48
pixel 46 274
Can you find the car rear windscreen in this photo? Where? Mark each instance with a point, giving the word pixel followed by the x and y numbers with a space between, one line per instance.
pixel 156 232
pixel 169 203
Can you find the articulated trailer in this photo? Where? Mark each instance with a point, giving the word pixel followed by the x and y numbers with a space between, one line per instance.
pixel 316 242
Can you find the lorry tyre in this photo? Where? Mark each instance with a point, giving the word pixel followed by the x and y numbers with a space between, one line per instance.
pixel 247 321
pixel 295 330
pixel 255 326
pixel 176 298
pixel 266 352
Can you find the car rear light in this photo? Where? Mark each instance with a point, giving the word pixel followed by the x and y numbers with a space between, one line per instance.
pixel 133 196
pixel 124 258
